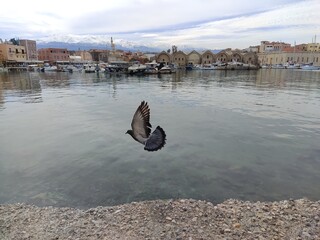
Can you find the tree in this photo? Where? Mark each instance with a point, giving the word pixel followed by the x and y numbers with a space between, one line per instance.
pixel 15 41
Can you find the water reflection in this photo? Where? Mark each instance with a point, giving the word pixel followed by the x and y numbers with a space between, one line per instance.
pixel 22 86
pixel 251 135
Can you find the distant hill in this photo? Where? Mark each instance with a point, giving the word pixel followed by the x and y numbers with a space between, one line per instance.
pixel 87 42
pixel 88 46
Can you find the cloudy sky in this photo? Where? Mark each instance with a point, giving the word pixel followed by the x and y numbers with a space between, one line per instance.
pixel 212 24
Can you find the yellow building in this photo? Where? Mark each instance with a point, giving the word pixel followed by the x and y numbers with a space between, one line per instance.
pixel 12 53
pixel 313 47
pixel 294 57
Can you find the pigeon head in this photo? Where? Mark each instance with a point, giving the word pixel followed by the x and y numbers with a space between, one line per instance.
pixel 130 132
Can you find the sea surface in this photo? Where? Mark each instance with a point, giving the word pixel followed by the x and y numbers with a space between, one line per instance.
pixel 250 135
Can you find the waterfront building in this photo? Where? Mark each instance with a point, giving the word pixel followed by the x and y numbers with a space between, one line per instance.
pixel 31 49
pixel 194 58
pixel 313 47
pixel 292 57
pixel 223 56
pixel 53 55
pixel 163 57
pixel 99 55
pixel 208 57
pixel 10 53
pixel 266 46
pixel 85 56
pixel 285 53
pixel 179 58
pixel 250 58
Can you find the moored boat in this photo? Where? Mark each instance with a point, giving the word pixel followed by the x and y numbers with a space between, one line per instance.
pixel 310 66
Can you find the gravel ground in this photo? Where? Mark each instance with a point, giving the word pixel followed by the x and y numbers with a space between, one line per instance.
pixel 165 219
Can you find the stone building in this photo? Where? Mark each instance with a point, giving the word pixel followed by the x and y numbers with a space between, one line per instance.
pixel 84 55
pixel 250 58
pixel 194 58
pixel 223 56
pixel 163 57
pixel 99 55
pixel 208 57
pixel 31 49
pixel 179 58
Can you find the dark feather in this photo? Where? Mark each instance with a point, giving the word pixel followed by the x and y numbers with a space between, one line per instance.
pixel 141 129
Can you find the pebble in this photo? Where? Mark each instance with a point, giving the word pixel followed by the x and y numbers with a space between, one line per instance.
pixel 165 219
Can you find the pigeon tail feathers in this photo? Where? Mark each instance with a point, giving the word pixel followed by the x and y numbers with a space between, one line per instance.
pixel 156 140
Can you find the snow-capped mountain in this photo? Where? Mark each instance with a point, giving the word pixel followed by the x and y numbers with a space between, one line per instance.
pixel 86 42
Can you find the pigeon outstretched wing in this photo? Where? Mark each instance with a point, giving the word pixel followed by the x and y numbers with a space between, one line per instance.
pixel 141 121
pixel 141 129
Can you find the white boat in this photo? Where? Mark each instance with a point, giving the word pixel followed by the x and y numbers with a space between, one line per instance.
pixel 166 69
pixel 117 67
pixel 3 69
pixel 152 67
pixel 278 66
pixel 89 68
pixel 290 65
pixel 207 67
pixel 137 68
pixel 310 66
pixel 49 68
pixel 220 66
pixel 265 66
pixel 33 68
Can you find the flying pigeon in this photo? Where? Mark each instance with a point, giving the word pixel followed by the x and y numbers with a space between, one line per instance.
pixel 141 129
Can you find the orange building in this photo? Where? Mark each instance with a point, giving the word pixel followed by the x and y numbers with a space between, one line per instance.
pixel 12 53
pixel 53 54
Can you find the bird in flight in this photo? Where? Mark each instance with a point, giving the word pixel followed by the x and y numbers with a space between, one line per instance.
pixel 141 129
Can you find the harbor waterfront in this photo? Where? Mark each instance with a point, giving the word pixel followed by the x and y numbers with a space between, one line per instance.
pixel 251 135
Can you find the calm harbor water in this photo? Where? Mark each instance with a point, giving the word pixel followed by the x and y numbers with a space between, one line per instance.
pixel 251 135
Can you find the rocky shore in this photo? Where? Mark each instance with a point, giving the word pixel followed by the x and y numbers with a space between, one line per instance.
pixel 165 219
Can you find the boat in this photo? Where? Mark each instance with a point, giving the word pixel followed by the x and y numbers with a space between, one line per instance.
pixel 117 67
pixel 234 65
pixel 189 66
pixel 3 69
pixel 265 66
pixel 207 67
pixel 151 70
pixel 33 68
pixel 48 68
pixel 310 66
pixel 167 69
pixel 152 67
pixel 278 66
pixel 221 66
pixel 291 65
pixel 89 68
pixel 137 68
